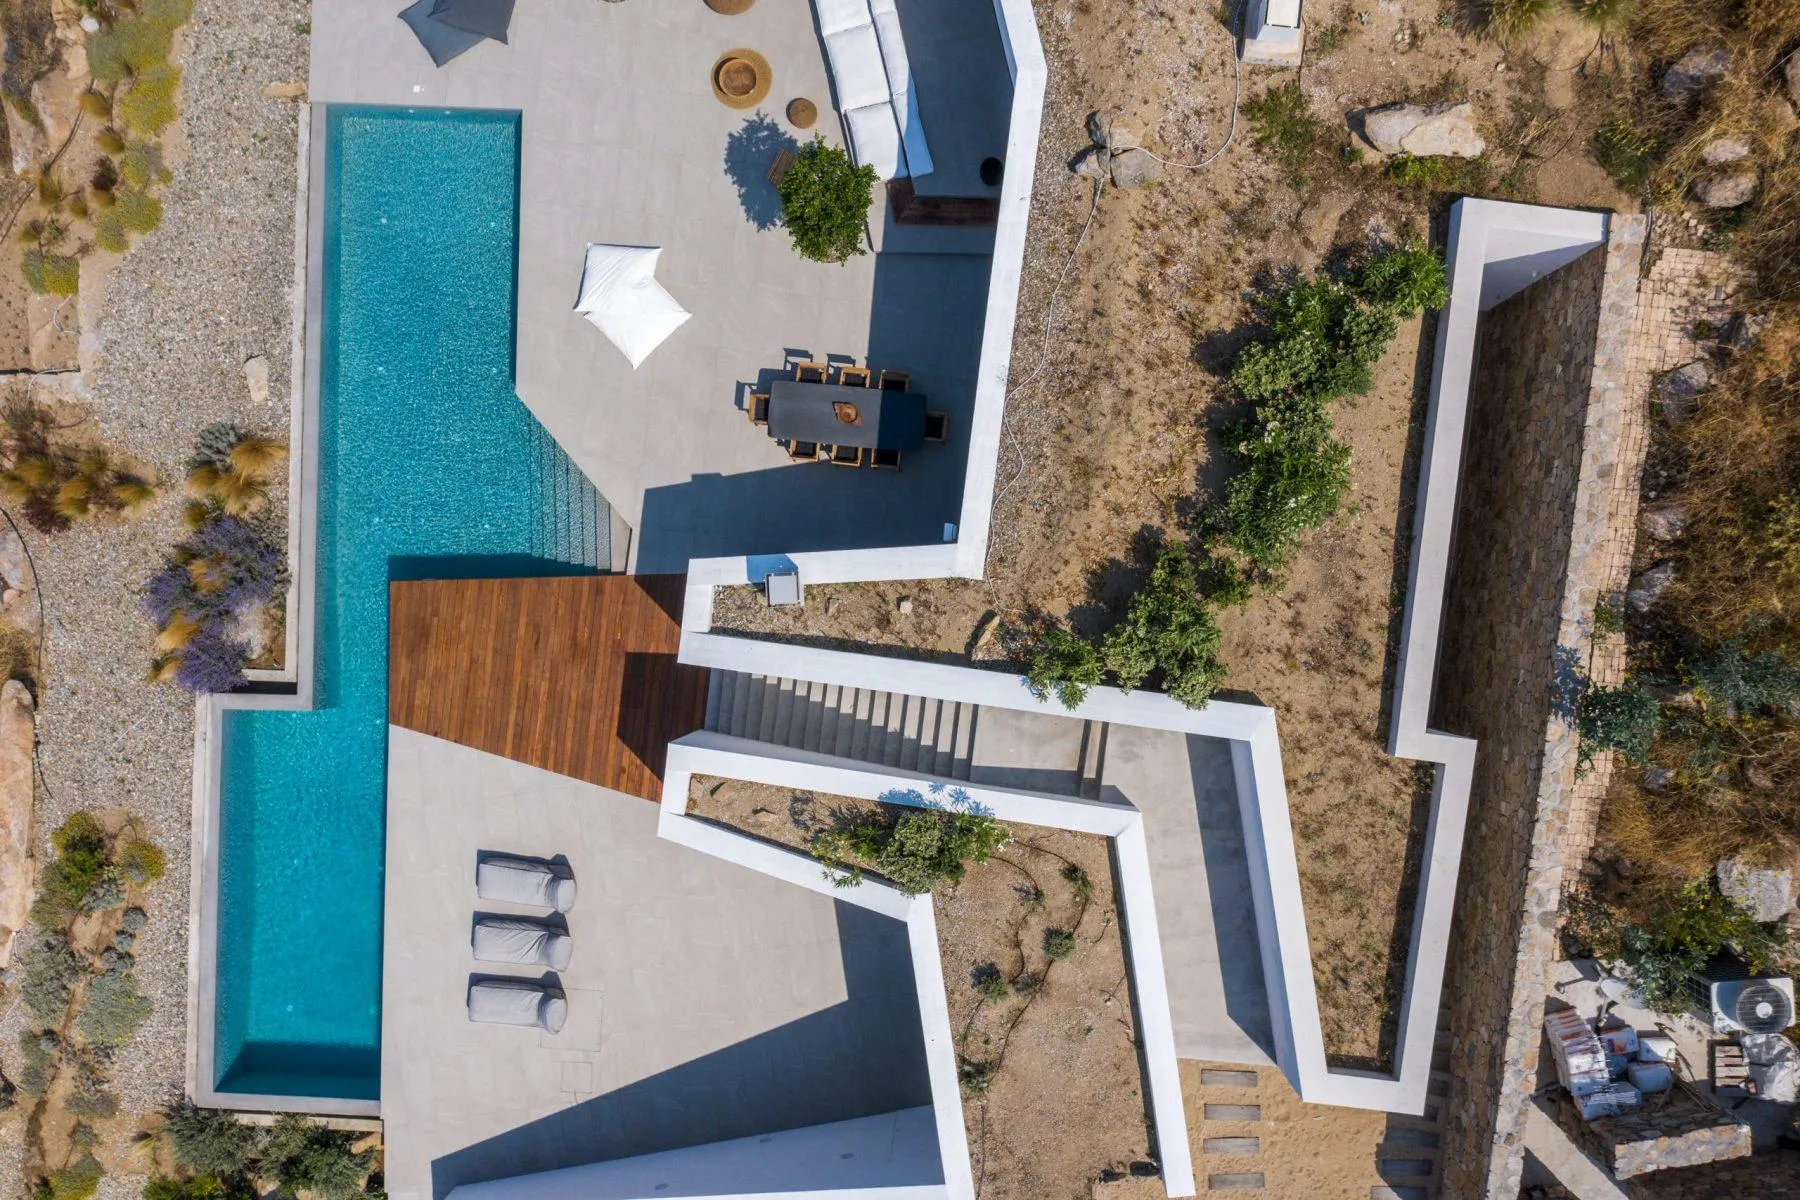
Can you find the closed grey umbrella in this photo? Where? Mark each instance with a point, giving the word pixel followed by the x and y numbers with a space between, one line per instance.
pixel 447 28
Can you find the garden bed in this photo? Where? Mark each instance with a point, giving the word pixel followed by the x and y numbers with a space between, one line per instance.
pixel 1038 989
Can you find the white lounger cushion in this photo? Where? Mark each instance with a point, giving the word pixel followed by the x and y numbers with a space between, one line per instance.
pixel 857 67
pixel 511 940
pixel 835 15
pixel 517 1002
pixel 875 139
pixel 900 83
pixel 522 881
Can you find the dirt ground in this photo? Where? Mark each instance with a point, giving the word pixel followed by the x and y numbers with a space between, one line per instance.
pixel 1064 1105
pixel 1115 402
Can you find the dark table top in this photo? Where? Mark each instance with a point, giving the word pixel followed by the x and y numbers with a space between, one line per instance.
pixel 802 412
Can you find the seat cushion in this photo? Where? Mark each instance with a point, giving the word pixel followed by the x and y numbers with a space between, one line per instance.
pixel 900 87
pixel 835 15
pixel 857 70
pixel 443 42
pixel 875 139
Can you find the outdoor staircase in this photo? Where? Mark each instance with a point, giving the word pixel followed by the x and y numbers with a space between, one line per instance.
pixel 890 729
pixel 1410 1158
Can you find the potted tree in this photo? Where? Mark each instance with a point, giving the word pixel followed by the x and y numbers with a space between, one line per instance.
pixel 825 200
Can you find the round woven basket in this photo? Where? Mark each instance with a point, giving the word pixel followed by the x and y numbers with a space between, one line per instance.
pixel 741 79
pixel 730 8
pixel 802 113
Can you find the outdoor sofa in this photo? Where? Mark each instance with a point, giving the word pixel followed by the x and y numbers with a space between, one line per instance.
pixel 874 82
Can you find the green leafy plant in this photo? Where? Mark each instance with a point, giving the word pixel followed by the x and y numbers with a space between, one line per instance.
pixel 915 850
pixel 113 1011
pixel 88 1096
pixel 1064 665
pixel 200 1187
pixel 148 106
pixel 1168 629
pixel 141 862
pixel 1328 40
pixel 50 274
pixel 976 1076
pixel 825 201
pixel 38 1049
pixel 142 164
pixel 1625 152
pixel 1059 944
pixel 1675 939
pixel 1735 683
pixel 1439 173
pixel 991 985
pixel 78 1181
pixel 321 1162
pixel 1623 719
pixel 138 212
pixel 1609 614
pixel 209 1140
pixel 1281 122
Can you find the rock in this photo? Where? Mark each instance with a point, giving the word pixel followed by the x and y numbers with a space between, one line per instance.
pixel 1768 893
pixel 1110 129
pixel 905 606
pixel 1135 168
pixel 256 378
pixel 763 816
pixel 1725 150
pixel 1656 778
pixel 1731 190
pixel 1663 522
pixel 1695 69
pixel 986 632
pixel 247 626
pixel 291 90
pixel 90 24
pixel 15 565
pixel 18 737
pixel 1094 162
pixel 1647 587
pixel 1791 72
pixel 1425 131
pixel 1677 392
pixel 21 608
pixel 1741 331
pixel 1757 779
pixel 832 604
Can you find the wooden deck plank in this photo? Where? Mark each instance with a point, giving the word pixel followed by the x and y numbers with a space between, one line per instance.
pixel 574 675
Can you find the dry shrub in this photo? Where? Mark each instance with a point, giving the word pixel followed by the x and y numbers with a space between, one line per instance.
pixel 1755 31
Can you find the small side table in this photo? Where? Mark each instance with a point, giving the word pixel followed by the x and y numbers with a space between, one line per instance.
pixel 730 7
pixel 801 113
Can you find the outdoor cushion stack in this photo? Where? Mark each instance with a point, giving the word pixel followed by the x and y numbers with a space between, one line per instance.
pixel 521 941
pixel 874 85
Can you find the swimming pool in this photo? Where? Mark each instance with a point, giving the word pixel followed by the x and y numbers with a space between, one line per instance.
pixel 429 466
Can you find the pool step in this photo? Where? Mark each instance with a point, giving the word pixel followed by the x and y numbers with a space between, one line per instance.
pixel 892 729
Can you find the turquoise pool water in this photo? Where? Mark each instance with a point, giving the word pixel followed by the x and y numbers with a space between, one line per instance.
pixel 429 466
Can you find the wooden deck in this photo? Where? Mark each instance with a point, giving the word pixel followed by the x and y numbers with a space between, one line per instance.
pixel 574 675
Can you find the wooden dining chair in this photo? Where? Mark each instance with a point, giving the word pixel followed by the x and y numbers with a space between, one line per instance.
pixel 810 372
pixel 853 376
pixel 846 456
pixel 758 408
pixel 803 451
pixel 895 381
pixel 937 426
pixel 884 460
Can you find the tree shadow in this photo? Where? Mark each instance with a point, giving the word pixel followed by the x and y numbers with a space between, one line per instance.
pixel 749 152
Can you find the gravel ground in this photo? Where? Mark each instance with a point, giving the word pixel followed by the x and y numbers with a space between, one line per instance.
pixel 187 306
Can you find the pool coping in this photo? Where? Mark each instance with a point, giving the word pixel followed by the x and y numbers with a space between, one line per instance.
pixel 209 710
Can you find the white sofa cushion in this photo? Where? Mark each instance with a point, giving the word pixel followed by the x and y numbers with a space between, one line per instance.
pixel 875 139
pixel 835 15
pixel 900 86
pixel 857 68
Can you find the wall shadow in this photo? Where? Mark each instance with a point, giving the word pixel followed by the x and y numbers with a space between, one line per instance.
pixel 660 699
pixel 860 1058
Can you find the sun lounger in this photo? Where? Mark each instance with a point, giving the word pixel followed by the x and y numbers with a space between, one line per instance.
pixel 525 881
pixel 511 940
pixel 518 1002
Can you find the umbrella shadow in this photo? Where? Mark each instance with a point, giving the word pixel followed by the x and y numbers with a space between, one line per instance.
pixel 749 153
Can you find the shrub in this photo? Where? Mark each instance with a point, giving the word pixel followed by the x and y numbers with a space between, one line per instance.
pixel 1445 173
pixel 1623 719
pixel 976 1076
pixel 79 1181
pixel 88 1096
pixel 1604 15
pixel 1676 938
pixel 134 920
pixel 200 1187
pixel 138 212
pixel 1168 628
pixel 50 972
pixel 915 851
pixel 141 862
pixel 825 201
pixel 319 1161
pixel 1058 944
pixel 991 985
pixel 113 1011
pixel 1404 280
pixel 1292 482
pixel 1063 664
pixel 50 274
pixel 213 446
pixel 141 164
pixel 1626 153
pixel 222 569
pixel 38 1050
pixel 1510 18
pixel 107 892
pixel 1735 683
pixel 1281 122
pixel 209 1140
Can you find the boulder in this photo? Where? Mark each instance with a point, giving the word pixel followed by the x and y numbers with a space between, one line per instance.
pixel 1656 778
pixel 1425 131
pixel 18 736
pixel 1725 150
pixel 1094 162
pixel 1647 587
pixel 15 566
pixel 1767 892
pixel 1111 130
pixel 1663 522
pixel 1135 168
pixel 291 90
pixel 256 378
pixel 1694 70
pixel 1677 392
pixel 1731 190
pixel 1741 330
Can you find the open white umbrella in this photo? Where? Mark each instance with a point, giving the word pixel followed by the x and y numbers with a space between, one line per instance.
pixel 620 295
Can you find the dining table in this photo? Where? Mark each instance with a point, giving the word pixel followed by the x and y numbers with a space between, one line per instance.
pixel 833 414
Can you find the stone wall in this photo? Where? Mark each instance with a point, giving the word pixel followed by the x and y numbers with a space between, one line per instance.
pixel 1678 1128
pixel 1764 1177
pixel 1541 463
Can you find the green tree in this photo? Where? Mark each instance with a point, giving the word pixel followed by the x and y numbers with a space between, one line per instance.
pixel 1623 718
pixel 915 851
pixel 1168 627
pixel 1063 664
pixel 209 1140
pixel 825 199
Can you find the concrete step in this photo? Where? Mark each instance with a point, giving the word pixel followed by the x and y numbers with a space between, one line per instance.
pixel 1231 1145
pixel 1407 1170
pixel 1233 1112
pixel 1384 1192
pixel 893 733
pixel 829 712
pixel 756 695
pixel 1093 759
pixel 1403 1142
pixel 813 727
pixel 963 755
pixel 715 689
pixel 1439 1086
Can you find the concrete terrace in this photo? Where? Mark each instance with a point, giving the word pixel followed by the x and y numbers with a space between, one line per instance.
pixel 706 1001
pixel 623 142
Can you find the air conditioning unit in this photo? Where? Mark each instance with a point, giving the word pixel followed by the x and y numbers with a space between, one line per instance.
pixel 1737 1002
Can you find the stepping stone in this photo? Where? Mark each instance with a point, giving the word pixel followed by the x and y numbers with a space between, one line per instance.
pixel 1420 1139
pixel 1235 1181
pixel 1228 1078
pixel 1234 1112
pixel 1231 1145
